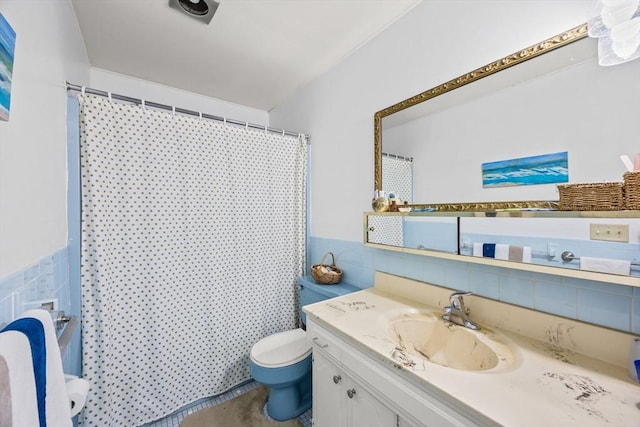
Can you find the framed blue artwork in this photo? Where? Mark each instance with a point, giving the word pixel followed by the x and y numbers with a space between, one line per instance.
pixel 7 49
pixel 545 169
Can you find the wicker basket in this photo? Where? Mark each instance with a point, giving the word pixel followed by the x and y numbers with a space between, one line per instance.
pixel 632 190
pixel 326 274
pixel 599 196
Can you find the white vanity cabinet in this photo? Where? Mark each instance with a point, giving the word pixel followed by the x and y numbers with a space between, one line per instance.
pixel 340 401
pixel 352 389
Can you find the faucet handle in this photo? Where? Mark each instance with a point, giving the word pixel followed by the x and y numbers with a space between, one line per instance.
pixel 455 299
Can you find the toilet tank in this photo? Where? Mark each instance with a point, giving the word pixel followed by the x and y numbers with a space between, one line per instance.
pixel 311 292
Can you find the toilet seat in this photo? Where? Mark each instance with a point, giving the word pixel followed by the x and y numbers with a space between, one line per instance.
pixel 281 349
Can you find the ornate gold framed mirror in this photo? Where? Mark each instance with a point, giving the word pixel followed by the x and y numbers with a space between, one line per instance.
pixel 428 97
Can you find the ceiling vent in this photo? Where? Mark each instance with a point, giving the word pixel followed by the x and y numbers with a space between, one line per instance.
pixel 201 10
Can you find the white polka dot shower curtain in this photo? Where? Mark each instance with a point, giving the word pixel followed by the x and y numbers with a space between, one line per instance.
pixel 397 176
pixel 193 234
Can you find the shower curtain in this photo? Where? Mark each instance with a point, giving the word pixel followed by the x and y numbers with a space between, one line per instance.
pixel 397 176
pixel 193 234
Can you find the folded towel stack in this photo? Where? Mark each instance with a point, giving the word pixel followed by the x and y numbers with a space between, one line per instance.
pixel 32 384
pixel 502 251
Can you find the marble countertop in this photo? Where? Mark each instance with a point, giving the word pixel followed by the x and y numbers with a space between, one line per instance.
pixel 546 385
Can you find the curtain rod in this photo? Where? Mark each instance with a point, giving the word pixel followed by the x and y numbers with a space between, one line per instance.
pixel 398 157
pixel 78 88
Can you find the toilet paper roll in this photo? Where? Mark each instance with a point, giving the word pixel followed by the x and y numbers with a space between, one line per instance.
pixel 634 356
pixel 77 390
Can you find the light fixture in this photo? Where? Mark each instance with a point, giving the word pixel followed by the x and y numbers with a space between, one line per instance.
pixel 616 24
pixel 200 10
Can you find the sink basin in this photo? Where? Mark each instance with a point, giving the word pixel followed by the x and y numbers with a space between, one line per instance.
pixel 428 337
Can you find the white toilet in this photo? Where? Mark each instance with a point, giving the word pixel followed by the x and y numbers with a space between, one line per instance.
pixel 282 361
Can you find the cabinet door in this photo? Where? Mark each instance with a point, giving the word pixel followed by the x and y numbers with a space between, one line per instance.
pixel 328 399
pixel 364 410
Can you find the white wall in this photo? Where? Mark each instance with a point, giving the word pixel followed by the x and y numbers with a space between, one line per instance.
pixel 49 50
pixel 33 143
pixel 594 119
pixel 149 91
pixel 434 42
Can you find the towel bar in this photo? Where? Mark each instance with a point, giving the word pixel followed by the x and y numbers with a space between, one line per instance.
pixel 568 256
pixel 67 332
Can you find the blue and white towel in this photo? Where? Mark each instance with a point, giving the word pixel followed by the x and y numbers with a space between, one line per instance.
pixel 19 404
pixel 43 383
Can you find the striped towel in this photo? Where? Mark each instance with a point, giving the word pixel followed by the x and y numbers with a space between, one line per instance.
pixel 18 401
pixel 52 402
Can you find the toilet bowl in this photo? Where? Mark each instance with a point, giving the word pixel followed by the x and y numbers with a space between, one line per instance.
pixel 282 362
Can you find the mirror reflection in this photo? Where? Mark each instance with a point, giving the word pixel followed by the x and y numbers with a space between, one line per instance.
pixel 552 97
pixel 591 243
pixel 417 232
pixel 561 101
pixel 605 245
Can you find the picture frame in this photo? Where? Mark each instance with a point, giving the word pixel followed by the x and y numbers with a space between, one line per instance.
pixel 550 168
pixel 7 52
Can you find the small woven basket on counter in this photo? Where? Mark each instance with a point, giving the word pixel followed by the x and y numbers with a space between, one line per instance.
pixel 632 190
pixel 597 196
pixel 326 274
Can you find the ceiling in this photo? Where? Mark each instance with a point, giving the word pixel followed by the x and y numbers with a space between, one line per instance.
pixel 254 52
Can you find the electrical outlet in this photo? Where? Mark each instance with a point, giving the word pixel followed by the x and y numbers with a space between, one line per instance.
pixel 609 232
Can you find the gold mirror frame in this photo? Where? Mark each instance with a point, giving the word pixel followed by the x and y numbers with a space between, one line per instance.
pixel 516 58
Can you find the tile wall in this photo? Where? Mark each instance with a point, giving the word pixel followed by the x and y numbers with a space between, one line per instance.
pixel 45 280
pixel 610 305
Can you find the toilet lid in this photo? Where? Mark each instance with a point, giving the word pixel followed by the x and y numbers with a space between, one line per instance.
pixel 281 349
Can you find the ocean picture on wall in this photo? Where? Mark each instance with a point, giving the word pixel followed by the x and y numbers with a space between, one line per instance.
pixel 544 169
pixel 7 49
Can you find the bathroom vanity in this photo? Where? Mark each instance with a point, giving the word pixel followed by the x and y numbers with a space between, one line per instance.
pixel 372 364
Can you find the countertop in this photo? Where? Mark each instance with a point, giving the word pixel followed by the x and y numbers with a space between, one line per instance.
pixel 546 385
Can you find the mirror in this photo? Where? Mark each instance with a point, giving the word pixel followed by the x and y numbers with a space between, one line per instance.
pixel 578 243
pixel 548 98
pixel 413 231
pixel 502 111
pixel 527 240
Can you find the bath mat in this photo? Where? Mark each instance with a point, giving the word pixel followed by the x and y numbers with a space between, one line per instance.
pixel 245 410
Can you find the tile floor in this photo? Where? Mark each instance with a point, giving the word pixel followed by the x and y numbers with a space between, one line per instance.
pixel 176 418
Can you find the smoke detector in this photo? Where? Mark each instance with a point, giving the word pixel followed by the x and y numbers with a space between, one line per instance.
pixel 201 10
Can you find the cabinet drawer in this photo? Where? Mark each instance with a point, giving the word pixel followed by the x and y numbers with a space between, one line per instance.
pixel 323 341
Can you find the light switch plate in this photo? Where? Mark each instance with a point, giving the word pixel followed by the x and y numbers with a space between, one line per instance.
pixel 609 232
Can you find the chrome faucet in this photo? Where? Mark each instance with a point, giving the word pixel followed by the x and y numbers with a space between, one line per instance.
pixel 457 312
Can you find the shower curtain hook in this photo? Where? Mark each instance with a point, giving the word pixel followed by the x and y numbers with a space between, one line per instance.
pixel 142 103
pixel 246 125
pixel 282 132
pixel 265 129
pixel 224 120
pixel 82 91
pixel 173 109
pixel 200 114
pixel 109 95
